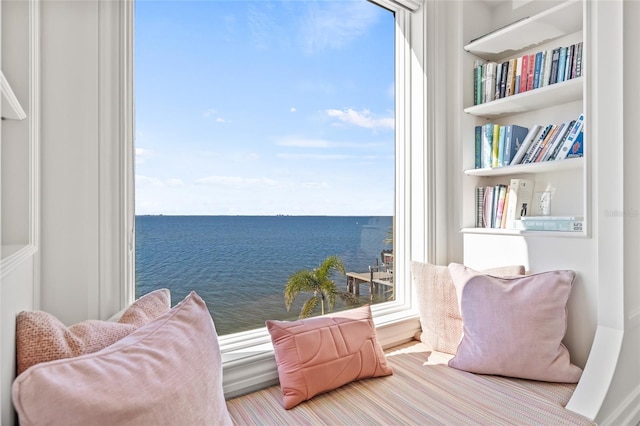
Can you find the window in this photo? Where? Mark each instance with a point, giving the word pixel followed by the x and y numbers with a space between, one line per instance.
pixel 248 357
pixel 273 150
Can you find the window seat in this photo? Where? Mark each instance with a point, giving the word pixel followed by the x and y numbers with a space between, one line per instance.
pixel 422 390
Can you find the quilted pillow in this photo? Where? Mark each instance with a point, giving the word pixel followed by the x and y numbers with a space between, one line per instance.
pixel 167 372
pixel 41 337
pixel 440 320
pixel 319 354
pixel 514 326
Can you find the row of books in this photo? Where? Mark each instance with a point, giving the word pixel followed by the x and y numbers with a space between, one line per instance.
pixel 498 146
pixel 510 207
pixel 500 206
pixel 492 80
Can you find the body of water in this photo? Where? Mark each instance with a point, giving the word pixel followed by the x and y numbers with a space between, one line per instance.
pixel 240 264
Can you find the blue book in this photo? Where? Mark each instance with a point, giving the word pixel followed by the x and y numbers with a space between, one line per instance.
pixel 576 149
pixel 562 61
pixel 513 138
pixel 501 146
pixel 478 142
pixel 537 70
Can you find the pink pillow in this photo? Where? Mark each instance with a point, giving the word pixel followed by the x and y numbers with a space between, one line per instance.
pixel 168 372
pixel 514 326
pixel 319 354
pixel 41 337
pixel 440 320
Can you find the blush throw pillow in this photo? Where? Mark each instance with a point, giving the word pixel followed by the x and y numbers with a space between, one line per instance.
pixel 319 354
pixel 514 326
pixel 41 337
pixel 440 320
pixel 167 372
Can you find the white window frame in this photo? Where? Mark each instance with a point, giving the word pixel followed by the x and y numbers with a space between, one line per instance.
pixel 248 359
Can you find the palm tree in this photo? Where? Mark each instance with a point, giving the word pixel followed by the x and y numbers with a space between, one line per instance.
pixel 317 281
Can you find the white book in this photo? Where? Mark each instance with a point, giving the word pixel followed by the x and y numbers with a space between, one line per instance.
pixel 520 198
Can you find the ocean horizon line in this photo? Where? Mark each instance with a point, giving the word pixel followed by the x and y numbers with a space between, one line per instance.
pixel 262 215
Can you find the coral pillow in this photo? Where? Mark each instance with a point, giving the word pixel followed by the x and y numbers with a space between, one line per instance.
pixel 41 337
pixel 168 372
pixel 440 320
pixel 319 354
pixel 514 326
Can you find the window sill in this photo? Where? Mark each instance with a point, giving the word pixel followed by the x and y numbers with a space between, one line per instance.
pixel 249 364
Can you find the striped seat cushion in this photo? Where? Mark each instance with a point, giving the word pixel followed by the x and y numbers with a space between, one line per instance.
pixel 422 390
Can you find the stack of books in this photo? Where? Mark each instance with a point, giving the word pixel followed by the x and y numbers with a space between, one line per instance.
pixel 498 146
pixel 518 75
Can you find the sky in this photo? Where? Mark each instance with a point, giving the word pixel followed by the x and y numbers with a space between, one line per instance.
pixel 264 108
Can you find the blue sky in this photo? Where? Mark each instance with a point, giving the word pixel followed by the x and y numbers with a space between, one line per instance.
pixel 264 107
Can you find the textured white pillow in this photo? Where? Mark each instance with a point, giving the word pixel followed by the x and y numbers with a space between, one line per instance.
pixel 168 372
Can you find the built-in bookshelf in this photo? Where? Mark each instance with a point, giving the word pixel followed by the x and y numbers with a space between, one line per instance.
pixel 553 103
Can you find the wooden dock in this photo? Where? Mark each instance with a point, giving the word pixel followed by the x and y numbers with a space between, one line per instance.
pixel 375 279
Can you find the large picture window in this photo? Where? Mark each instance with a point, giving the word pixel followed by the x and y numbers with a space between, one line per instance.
pixel 266 144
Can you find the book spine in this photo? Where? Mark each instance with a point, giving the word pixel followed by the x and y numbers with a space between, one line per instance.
pixel 562 61
pixel 495 145
pixel 557 135
pixel 518 75
pixel 553 76
pixel 501 147
pixel 536 144
pixel 490 83
pixel 536 72
pixel 502 192
pixel 487 143
pixel 503 79
pixel 548 59
pixel 575 130
pixel 514 137
pixel 576 149
pixel 531 73
pixel 524 72
pixel 498 80
pixel 479 206
pixel 579 60
pixel 522 150
pixel 550 155
pixel 477 83
pixel 544 143
pixel 511 78
pixel 503 223
pixel 569 66
pixel 478 147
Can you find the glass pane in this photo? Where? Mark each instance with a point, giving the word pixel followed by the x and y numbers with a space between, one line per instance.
pixel 264 145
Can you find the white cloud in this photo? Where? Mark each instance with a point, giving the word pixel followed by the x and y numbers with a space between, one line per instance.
pixel 142 154
pixel 293 109
pixel 361 119
pixel 213 113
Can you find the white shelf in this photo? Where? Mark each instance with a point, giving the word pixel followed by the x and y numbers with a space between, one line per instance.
pixel 11 108
pixel 543 167
pixel 556 22
pixel 520 232
pixel 543 97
